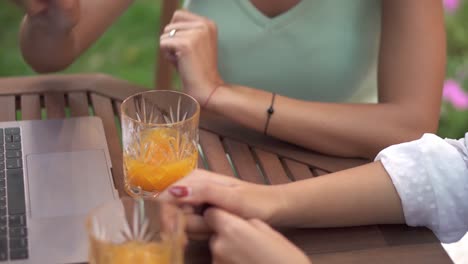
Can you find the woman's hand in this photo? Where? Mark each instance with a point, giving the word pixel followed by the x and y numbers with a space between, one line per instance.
pixel 237 241
pixel 194 50
pixel 240 198
pixel 57 16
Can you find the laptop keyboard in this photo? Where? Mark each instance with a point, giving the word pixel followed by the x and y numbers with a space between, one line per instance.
pixel 13 230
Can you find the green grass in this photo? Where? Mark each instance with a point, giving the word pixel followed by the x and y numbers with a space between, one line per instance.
pixel 10 58
pixel 126 50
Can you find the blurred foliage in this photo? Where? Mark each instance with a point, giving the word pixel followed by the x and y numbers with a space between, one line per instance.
pixel 127 50
pixel 10 58
pixel 454 122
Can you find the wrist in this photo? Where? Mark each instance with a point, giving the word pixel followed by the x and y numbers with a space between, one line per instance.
pixel 278 204
pixel 215 100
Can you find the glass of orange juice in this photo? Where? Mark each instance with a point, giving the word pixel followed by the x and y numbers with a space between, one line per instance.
pixel 160 140
pixel 129 231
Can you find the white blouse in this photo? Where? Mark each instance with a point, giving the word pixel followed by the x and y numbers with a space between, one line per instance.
pixel 431 178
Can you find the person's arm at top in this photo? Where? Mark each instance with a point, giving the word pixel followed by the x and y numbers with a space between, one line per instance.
pixel 55 32
pixel 410 79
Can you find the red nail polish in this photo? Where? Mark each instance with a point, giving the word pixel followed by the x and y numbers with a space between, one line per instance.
pixel 179 191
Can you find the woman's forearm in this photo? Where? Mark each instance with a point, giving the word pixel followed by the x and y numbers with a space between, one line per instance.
pixel 349 130
pixel 50 41
pixel 360 196
pixel 411 70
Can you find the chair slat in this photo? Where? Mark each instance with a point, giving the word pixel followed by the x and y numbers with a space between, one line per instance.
pixel 55 105
pixel 78 102
pixel 299 171
pixel 8 108
pixel 103 109
pixel 30 107
pixel 244 161
pixel 164 71
pixel 272 167
pixel 98 83
pixel 214 153
pixel 198 252
pixel 117 107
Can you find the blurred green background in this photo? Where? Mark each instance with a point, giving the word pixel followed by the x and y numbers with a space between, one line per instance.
pixel 128 49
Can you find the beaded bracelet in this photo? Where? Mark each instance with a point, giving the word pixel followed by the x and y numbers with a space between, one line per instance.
pixel 270 112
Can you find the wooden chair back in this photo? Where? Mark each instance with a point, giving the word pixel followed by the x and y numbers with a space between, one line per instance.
pixel 164 71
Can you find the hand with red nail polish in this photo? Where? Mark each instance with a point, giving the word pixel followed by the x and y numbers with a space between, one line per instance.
pixel 244 199
pixel 179 191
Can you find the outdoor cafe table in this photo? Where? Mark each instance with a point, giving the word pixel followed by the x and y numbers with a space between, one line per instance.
pixel 224 145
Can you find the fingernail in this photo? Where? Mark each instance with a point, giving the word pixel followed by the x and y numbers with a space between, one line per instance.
pixel 179 191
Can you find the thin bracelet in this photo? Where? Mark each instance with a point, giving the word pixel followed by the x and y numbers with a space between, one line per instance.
pixel 270 112
pixel 209 97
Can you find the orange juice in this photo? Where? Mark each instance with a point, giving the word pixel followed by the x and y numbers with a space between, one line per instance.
pixel 130 252
pixel 163 156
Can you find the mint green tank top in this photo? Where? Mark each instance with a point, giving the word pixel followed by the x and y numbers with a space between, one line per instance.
pixel 320 50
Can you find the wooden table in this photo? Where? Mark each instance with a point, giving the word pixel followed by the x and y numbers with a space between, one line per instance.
pixel 254 157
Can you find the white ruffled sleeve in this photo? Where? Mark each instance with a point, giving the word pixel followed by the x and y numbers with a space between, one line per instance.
pixel 431 178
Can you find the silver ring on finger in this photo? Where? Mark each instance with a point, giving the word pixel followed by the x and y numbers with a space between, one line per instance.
pixel 172 33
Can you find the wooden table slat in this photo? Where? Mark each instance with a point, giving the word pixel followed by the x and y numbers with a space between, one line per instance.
pixel 244 161
pixel 220 125
pixel 414 254
pixel 103 109
pixel 272 167
pixel 79 105
pixel 299 171
pixel 214 153
pixel 55 105
pixel 405 235
pixel 8 108
pixel 326 240
pixel 30 107
pixel 200 163
pixel 319 172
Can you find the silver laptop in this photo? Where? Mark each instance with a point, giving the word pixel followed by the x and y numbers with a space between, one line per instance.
pixel 52 173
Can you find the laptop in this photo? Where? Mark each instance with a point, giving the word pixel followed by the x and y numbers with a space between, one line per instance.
pixel 52 174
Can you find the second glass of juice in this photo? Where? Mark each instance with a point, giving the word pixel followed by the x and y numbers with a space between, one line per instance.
pixel 139 231
pixel 160 140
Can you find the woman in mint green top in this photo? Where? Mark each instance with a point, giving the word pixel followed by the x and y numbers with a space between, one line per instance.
pixel 301 71
pixel 317 51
